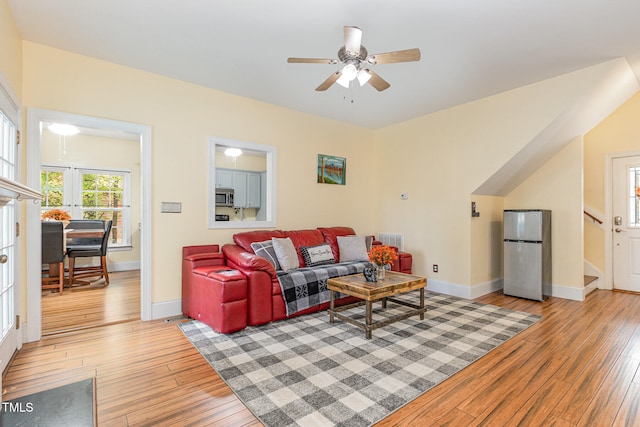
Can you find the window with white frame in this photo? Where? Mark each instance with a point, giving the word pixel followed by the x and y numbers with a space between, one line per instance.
pixel 105 195
pixel 91 194
pixel 55 185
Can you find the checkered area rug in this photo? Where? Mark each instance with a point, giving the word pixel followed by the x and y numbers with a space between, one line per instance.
pixel 306 371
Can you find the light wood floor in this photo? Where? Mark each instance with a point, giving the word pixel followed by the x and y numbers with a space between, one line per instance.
pixel 577 366
pixel 92 305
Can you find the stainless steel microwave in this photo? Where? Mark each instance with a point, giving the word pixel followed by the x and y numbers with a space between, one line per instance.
pixel 224 197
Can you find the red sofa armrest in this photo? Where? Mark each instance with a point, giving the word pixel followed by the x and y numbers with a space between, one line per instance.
pixel 192 258
pixel 246 261
pixel 260 278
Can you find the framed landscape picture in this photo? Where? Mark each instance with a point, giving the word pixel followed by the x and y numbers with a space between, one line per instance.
pixel 332 169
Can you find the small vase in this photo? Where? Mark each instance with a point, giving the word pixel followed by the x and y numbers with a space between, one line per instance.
pixel 380 271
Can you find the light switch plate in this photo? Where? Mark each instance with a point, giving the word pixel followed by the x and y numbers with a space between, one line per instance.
pixel 171 207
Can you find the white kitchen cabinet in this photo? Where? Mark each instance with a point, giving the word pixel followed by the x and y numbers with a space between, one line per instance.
pixel 247 191
pixel 253 190
pixel 224 178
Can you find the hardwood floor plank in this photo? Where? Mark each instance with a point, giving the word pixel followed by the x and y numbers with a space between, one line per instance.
pixel 579 396
pixel 608 398
pixel 454 418
pixel 535 410
pixel 629 412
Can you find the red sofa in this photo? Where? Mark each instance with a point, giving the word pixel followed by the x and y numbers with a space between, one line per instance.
pixel 264 297
pixel 236 288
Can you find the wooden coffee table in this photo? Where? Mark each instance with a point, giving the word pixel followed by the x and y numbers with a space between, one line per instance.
pixel 393 284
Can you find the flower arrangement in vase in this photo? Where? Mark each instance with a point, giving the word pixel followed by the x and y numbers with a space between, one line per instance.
pixel 56 215
pixel 381 255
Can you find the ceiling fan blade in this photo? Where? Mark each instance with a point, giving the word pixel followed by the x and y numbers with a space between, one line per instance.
pixel 331 80
pixel 312 61
pixel 377 82
pixel 408 55
pixel 352 40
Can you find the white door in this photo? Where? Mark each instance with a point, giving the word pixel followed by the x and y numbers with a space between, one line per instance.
pixel 626 223
pixel 9 339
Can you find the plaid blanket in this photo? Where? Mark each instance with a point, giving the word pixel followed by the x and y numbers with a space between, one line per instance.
pixel 307 287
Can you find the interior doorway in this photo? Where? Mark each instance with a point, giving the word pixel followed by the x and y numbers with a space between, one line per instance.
pixel 36 119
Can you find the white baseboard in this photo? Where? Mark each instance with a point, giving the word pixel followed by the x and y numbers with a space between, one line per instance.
pixel 112 266
pixel 123 266
pixel 592 287
pixel 568 292
pixel 463 291
pixel 160 310
pixel 453 289
pixel 486 288
pixel 476 291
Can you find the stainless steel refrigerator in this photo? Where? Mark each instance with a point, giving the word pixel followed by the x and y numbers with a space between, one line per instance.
pixel 527 253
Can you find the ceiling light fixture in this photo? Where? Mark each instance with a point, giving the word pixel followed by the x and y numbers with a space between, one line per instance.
pixel 233 152
pixel 363 77
pixel 349 73
pixel 63 129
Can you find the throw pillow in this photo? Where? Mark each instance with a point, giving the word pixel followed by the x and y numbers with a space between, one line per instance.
pixel 265 250
pixel 317 255
pixel 352 248
pixel 286 253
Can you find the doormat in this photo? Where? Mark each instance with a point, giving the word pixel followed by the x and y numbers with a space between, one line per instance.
pixel 306 371
pixel 68 405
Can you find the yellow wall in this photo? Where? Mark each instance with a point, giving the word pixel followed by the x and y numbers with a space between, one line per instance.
pixel 486 239
pixel 183 116
pixel 618 133
pixel 442 158
pixel 10 49
pixel 558 186
pixel 101 153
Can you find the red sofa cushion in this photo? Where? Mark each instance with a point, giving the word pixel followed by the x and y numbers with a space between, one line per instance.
pixel 244 240
pixel 331 234
pixel 304 238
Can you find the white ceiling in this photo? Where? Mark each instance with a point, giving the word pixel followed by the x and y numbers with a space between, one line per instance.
pixel 470 49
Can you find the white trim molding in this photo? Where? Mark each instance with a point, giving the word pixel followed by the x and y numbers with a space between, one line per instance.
pixel 476 291
pixel 35 118
pixel 161 310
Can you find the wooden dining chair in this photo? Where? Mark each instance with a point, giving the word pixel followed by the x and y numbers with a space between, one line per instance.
pixel 89 251
pixel 53 255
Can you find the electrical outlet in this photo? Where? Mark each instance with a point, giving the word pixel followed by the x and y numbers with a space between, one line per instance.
pixel 435 268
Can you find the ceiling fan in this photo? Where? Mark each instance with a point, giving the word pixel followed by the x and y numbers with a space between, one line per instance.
pixel 357 60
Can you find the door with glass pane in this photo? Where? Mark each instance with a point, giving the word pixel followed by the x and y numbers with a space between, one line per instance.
pixel 626 223
pixel 9 340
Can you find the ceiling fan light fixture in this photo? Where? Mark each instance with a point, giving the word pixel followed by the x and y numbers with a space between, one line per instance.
pixel 348 74
pixel 363 77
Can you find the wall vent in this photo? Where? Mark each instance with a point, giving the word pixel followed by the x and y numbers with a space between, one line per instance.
pixel 391 239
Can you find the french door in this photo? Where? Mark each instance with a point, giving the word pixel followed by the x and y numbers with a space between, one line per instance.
pixel 9 340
